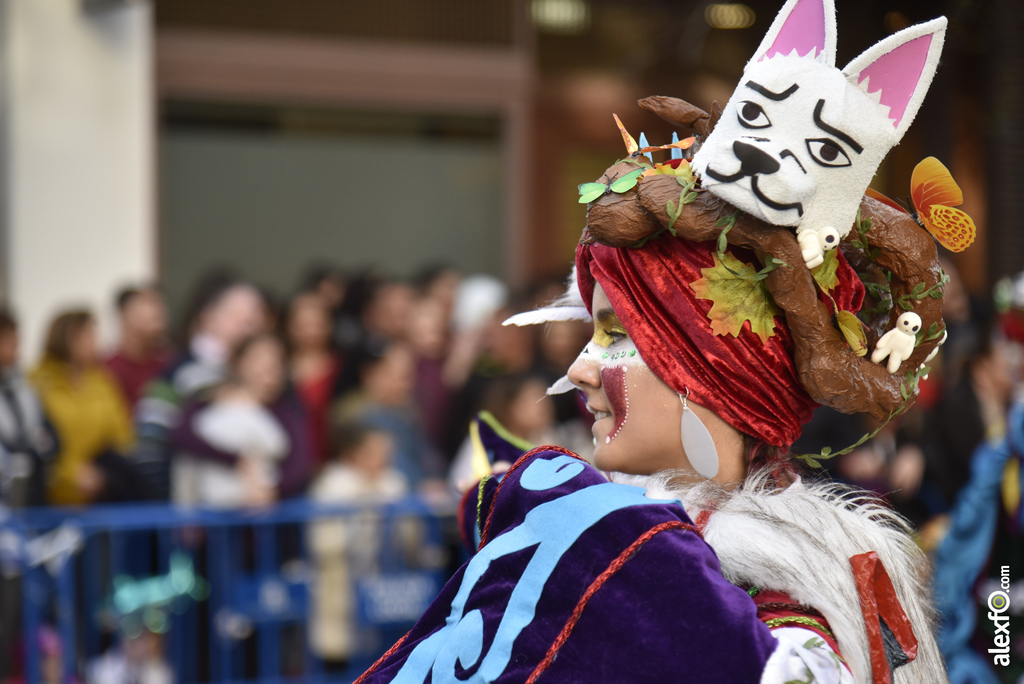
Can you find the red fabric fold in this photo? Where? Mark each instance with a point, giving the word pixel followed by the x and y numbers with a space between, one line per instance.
pixel 750 384
pixel 878 601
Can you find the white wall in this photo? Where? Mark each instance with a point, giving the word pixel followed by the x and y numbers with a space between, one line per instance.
pixel 78 145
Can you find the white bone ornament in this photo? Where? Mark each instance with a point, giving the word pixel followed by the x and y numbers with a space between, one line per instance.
pixel 800 139
pixel 898 343
pixel 935 351
pixel 933 354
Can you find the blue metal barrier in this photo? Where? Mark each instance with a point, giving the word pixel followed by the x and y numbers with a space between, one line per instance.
pixel 230 591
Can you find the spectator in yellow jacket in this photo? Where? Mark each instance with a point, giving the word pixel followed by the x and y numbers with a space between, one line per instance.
pixel 89 414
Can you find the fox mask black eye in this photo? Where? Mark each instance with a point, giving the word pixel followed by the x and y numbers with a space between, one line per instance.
pixel 827 153
pixel 751 115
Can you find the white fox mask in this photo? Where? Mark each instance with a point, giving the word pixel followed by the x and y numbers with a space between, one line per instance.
pixel 800 140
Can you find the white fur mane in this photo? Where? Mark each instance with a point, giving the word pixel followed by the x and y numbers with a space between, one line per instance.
pixel 799 541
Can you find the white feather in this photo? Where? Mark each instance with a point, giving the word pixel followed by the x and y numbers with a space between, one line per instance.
pixel 549 315
pixel 569 306
pixel 561 386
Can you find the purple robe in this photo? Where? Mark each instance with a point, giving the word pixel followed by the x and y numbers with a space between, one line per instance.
pixel 580 580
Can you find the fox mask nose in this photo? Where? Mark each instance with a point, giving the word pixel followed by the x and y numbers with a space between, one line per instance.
pixel 753 160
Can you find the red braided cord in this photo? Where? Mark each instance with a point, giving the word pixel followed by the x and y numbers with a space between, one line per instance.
pixel 391 652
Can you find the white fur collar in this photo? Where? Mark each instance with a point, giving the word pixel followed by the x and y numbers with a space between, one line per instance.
pixel 799 541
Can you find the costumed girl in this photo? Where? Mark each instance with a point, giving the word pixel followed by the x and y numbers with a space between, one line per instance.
pixel 717 329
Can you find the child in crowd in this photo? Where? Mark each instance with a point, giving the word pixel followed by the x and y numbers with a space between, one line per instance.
pixel 247 421
pixel 364 467
pixel 224 311
pixel 380 382
pixel 346 549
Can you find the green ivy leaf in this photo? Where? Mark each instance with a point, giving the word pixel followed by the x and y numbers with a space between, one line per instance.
pixel 673 212
pixel 814 642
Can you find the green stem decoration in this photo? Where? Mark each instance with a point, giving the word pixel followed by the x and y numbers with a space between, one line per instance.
pixel 907 390
pixel 686 196
pixel 726 223
pixel 907 301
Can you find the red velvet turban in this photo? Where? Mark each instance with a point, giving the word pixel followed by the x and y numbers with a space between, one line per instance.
pixel 752 385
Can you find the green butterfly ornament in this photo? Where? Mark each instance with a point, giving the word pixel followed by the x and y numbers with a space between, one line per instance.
pixel 591 191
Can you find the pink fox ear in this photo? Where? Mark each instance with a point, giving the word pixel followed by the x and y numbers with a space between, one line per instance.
pixel 900 69
pixel 807 26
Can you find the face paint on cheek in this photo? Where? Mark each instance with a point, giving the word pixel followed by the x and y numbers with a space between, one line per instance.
pixel 613 379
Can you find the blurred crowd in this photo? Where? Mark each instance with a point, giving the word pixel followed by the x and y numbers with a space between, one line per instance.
pixel 257 399
pixel 356 389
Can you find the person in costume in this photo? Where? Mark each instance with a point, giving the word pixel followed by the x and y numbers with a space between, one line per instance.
pixel 963 553
pixel 717 329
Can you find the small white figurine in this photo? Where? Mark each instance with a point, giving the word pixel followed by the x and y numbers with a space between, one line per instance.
pixel 898 343
pixel 814 244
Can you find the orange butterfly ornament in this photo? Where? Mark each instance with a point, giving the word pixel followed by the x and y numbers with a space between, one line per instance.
pixel 936 195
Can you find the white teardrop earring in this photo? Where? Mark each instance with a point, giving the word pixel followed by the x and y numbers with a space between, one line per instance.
pixel 697 443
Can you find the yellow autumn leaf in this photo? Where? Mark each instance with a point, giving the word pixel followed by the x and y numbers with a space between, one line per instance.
pixel 738 297
pixel 853 331
pixel 682 170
